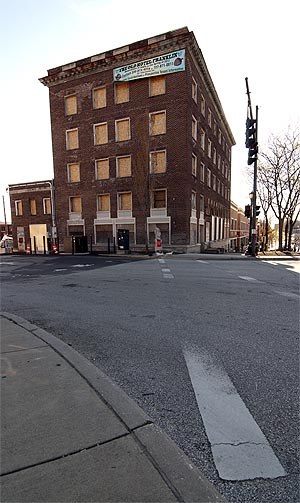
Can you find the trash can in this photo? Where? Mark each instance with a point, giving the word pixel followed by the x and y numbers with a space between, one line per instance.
pixel 123 239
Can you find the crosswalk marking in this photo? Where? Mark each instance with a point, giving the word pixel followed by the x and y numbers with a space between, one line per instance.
pixel 240 449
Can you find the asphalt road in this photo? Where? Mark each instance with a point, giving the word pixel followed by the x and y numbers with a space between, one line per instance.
pixel 144 321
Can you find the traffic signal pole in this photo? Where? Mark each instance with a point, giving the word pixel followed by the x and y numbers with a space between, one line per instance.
pixel 252 145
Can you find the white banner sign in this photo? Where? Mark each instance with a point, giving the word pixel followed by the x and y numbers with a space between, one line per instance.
pixel 160 65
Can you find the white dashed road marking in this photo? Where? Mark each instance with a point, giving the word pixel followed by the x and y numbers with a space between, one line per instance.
pixel 240 449
pixel 248 278
pixel 288 294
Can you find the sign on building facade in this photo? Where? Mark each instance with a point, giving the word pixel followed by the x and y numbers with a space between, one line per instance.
pixel 160 65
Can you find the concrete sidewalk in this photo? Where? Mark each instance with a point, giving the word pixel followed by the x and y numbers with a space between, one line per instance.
pixel 68 433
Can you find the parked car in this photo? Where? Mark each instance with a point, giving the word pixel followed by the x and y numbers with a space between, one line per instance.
pixel 5 239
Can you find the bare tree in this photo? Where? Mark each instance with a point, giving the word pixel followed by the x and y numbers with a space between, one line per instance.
pixel 279 181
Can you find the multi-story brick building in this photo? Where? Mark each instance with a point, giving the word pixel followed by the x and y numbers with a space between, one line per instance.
pixel 141 142
pixel 33 216
pixel 239 228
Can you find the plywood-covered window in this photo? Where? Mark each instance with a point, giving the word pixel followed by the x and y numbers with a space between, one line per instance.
pixel 159 199
pixel 73 170
pixel 194 164
pixel 202 171
pixel 122 128
pixel 75 204
pixel 158 161
pixel 209 148
pixel 103 202
pixel 72 140
pixel 124 165
pixel 202 139
pixel 157 85
pixel 202 105
pixel 71 104
pixel 19 208
pixel 32 207
pixel 124 201
pixel 157 123
pixel 47 205
pixel 194 128
pixel 102 169
pixel 99 97
pixel 121 92
pixel 193 200
pixel 194 90
pixel 100 133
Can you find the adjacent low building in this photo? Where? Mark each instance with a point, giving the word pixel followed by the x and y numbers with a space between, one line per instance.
pixel 33 215
pixel 140 144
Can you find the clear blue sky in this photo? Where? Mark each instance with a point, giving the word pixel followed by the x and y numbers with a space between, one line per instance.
pixel 238 38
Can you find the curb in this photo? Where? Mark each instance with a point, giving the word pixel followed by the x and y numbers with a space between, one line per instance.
pixel 183 478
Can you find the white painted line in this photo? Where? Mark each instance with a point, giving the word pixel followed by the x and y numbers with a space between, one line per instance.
pixel 161 261
pixel 239 447
pixel 203 262
pixel 288 294
pixel 166 270
pixel 59 270
pixel 248 278
pixel 166 275
pixel 82 265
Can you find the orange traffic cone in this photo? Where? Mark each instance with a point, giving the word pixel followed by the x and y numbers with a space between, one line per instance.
pixel 54 249
pixel 28 249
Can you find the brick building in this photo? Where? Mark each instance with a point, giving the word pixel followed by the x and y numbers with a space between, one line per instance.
pixel 141 142
pixel 239 228
pixel 33 218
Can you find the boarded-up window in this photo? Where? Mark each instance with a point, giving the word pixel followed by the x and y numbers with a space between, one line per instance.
pixel 47 206
pixel 122 130
pixel 104 202
pixel 157 85
pixel 125 201
pixel 99 97
pixel 202 139
pixel 158 161
pixel 121 92
pixel 193 200
pixel 124 166
pixel 75 204
pixel 157 123
pixel 102 169
pixel 194 128
pixel 72 139
pixel 32 207
pixel 194 165
pixel 73 172
pixel 71 105
pixel 19 208
pixel 159 199
pixel 194 90
pixel 100 133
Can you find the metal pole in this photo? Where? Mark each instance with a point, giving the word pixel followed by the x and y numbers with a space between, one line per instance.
pixel 253 229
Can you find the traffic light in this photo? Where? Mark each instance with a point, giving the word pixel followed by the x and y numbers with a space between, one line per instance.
pixel 247 212
pixel 251 140
pixel 257 210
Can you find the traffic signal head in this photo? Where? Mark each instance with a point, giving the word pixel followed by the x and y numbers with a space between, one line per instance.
pixel 252 153
pixel 250 132
pixel 247 212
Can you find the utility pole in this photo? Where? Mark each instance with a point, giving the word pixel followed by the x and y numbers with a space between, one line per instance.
pixel 252 145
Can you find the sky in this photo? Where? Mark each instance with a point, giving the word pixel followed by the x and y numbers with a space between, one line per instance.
pixel 258 39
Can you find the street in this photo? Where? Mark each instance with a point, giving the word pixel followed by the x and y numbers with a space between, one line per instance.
pixel 207 347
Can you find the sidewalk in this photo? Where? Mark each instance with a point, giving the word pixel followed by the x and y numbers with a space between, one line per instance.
pixel 69 434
